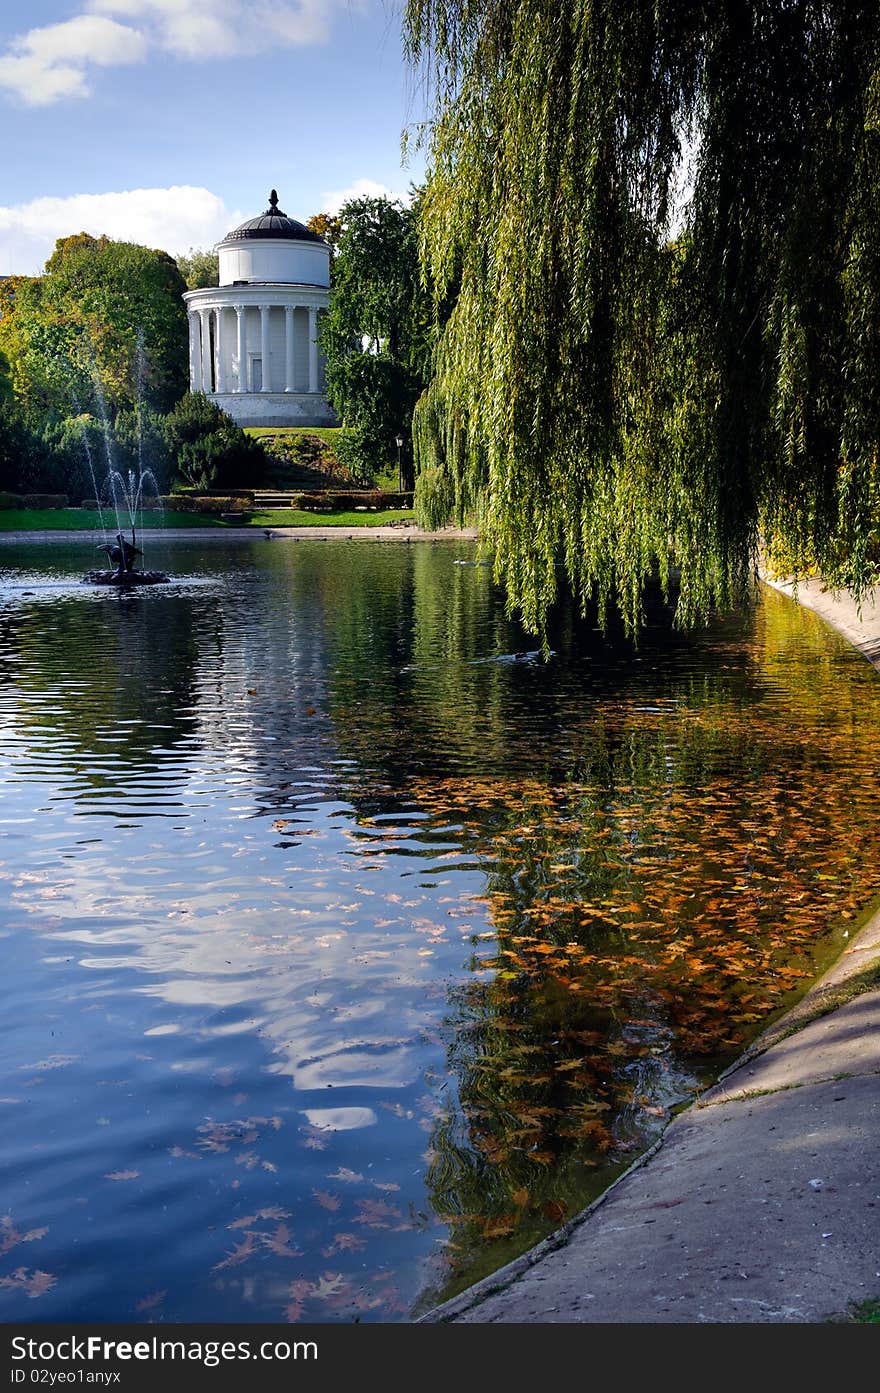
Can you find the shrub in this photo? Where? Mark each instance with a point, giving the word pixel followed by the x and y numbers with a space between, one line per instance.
pixel 45 500
pixel 338 502
pixel 11 500
pixel 207 446
pixel 216 503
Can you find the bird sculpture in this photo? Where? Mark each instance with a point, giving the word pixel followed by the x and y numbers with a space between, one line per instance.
pixel 121 555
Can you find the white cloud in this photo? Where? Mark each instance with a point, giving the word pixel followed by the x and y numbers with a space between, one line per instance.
pixel 200 29
pixel 173 219
pixel 361 188
pixel 49 63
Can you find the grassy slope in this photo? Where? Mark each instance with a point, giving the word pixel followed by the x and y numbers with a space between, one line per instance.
pixel 325 433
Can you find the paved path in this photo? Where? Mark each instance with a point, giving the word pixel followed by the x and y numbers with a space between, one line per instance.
pixel 379 533
pixel 761 1202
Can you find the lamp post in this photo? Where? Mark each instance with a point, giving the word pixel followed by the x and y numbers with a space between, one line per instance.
pixel 398 440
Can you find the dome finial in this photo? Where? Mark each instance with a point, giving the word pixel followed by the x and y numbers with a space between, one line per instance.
pixel 273 201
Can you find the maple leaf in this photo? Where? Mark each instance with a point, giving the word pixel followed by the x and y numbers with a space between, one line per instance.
pixel 326 1200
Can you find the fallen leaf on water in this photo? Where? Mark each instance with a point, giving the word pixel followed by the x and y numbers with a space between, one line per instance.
pixel 500 1227
pixel 346 1176
pixel 122 1175
pixel 272 1212
pixel 33 1285
pixel 240 1253
pixel 345 1243
pixel 149 1303
pixel 279 1243
pixel 328 1285
pixel 555 1210
pixel 376 1214
pixel 10 1237
pixel 326 1200
pixel 299 1293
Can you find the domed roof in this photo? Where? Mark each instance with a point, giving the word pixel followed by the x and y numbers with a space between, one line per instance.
pixel 275 224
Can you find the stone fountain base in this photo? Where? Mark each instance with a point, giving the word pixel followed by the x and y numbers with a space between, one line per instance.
pixel 127 580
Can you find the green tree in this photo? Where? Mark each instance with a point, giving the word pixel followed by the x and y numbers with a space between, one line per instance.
pixel 199 268
pixel 104 311
pixel 609 397
pixel 375 333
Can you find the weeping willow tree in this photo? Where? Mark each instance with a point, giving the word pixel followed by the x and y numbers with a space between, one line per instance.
pixel 658 226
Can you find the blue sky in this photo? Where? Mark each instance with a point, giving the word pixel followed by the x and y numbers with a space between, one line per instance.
pixel 167 121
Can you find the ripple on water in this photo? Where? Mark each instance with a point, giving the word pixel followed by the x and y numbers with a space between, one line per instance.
pixel 349 946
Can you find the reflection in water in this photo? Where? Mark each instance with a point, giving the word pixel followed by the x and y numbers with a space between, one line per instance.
pixel 350 948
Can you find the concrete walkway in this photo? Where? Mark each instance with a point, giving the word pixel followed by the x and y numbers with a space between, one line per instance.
pixel 761 1202
pixel 390 532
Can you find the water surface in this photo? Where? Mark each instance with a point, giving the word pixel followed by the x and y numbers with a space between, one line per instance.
pixel 348 947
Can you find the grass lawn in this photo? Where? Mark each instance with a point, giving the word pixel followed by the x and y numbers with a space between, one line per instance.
pixel 292 517
pixel 81 520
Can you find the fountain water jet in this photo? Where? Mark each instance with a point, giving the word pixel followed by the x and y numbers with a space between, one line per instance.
pixel 125 493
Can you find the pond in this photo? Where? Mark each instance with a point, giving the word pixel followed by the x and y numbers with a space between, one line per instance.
pixel 348 946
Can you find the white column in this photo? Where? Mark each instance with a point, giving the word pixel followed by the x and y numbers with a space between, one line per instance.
pixel 194 368
pixel 242 385
pixel 313 349
pixel 264 345
pixel 220 373
pixel 288 348
pixel 205 321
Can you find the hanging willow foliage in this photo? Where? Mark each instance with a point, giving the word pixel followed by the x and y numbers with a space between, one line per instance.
pixel 620 391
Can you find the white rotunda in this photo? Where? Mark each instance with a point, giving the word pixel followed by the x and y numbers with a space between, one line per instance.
pixel 253 339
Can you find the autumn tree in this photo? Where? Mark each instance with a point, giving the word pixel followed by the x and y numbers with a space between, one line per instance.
pixel 621 386
pixel 328 226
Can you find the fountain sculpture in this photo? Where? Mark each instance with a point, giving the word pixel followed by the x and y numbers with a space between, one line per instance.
pixel 121 556
pixel 124 494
